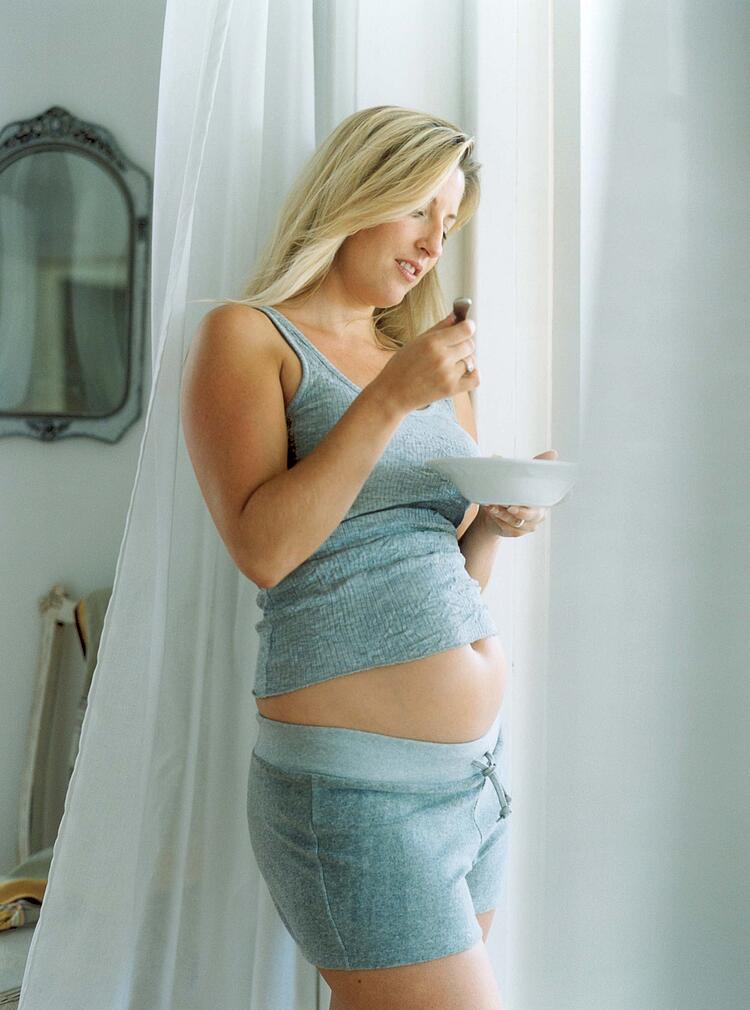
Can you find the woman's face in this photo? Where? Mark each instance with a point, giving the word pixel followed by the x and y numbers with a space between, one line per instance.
pixel 367 262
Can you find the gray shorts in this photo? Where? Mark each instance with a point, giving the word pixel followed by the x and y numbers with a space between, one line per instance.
pixel 377 850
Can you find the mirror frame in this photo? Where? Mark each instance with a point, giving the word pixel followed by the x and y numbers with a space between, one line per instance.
pixel 59 130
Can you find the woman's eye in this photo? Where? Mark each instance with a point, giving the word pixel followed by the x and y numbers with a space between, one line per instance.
pixel 416 212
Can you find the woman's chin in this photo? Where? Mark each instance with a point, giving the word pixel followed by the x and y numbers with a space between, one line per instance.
pixel 387 297
pixel 395 298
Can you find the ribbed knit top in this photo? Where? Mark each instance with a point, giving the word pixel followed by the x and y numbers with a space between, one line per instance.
pixel 390 583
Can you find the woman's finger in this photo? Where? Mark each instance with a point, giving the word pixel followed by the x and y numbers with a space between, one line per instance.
pixel 510 526
pixel 526 512
pixel 513 513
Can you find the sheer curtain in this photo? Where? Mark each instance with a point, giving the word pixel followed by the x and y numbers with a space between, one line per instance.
pixel 154 898
pixel 620 338
pixel 649 670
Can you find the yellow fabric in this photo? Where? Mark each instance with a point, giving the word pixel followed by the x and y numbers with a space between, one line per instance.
pixel 22 887
pixel 20 901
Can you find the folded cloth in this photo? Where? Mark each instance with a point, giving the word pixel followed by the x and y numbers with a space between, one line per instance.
pixel 21 912
pixel 22 890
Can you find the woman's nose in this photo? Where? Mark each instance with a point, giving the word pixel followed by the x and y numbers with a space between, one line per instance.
pixel 432 242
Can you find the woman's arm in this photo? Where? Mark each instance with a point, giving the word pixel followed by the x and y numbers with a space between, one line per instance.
pixel 270 518
pixel 478 539
pixel 479 547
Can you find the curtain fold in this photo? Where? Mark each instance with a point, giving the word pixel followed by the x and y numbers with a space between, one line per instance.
pixel 154 898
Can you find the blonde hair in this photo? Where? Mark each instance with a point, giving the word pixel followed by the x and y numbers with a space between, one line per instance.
pixel 377 165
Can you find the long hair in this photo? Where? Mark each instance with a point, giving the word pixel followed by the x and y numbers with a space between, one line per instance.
pixel 377 165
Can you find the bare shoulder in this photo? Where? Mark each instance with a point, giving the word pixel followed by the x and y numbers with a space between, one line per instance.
pixel 233 363
pixel 465 413
pixel 236 327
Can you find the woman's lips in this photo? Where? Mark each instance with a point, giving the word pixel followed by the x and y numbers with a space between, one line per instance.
pixel 405 273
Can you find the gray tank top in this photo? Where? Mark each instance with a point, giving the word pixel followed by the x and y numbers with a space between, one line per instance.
pixel 390 583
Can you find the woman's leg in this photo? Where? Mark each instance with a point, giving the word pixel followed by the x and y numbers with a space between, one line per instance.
pixel 484 920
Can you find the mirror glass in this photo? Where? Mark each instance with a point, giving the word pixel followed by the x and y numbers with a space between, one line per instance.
pixel 65 255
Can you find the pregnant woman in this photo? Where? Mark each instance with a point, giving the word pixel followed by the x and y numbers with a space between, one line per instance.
pixel 309 407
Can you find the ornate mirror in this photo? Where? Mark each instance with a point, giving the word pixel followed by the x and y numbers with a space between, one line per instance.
pixel 75 218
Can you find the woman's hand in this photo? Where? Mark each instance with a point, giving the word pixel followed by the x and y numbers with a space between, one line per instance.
pixel 506 521
pixel 430 366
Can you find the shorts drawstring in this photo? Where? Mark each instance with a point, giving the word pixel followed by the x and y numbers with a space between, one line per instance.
pixel 489 770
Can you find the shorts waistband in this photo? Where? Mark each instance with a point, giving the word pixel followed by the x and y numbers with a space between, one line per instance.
pixel 337 750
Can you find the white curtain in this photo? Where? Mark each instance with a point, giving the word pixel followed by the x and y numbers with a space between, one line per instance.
pixel 611 262
pixel 650 621
pixel 625 347
pixel 154 899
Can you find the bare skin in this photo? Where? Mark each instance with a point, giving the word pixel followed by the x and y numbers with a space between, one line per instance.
pixel 464 980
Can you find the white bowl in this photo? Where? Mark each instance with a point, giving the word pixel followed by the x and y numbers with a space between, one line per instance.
pixel 500 480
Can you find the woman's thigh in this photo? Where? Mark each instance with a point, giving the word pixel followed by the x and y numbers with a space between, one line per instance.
pixel 462 981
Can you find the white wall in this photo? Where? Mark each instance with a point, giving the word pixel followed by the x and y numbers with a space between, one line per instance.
pixel 64 504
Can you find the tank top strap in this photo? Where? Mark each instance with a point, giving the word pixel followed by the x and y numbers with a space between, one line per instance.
pixel 305 349
pixel 290 333
pixel 311 357
pixel 311 361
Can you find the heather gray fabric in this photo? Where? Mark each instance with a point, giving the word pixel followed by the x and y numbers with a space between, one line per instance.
pixel 390 583
pixel 377 850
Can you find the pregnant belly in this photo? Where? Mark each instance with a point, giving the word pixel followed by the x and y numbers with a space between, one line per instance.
pixel 448 697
